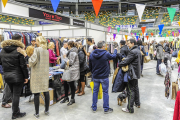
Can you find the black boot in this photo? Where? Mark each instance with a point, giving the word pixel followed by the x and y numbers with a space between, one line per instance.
pixel 66 99
pixel 71 102
pixel 18 115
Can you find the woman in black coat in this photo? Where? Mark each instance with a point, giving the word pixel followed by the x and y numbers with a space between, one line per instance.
pixel 83 69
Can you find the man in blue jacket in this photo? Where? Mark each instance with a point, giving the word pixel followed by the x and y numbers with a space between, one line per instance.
pixel 99 66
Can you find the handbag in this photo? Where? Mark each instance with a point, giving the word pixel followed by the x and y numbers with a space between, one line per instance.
pixel 66 75
pixel 147 59
pixel 174 54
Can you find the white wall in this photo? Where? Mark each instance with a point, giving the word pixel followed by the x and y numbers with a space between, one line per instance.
pixel 79 32
pixel 97 35
pixel 66 33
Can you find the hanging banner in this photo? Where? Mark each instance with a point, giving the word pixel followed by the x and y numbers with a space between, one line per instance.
pixel 4 2
pixel 140 9
pixel 171 12
pixel 149 20
pixel 143 29
pixel 161 28
pixel 78 23
pixel 130 12
pixel 170 39
pixel 55 4
pixel 129 30
pixel 114 36
pixel 126 26
pixel 118 29
pixel 48 16
pixel 126 37
pixel 109 28
pixel 175 6
pixel 175 23
pixel 97 5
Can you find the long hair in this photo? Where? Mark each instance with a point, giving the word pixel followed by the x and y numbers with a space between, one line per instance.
pixel 42 42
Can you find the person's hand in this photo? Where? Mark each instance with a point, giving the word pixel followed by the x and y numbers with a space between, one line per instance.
pixel 64 56
pixel 23 52
pixel 58 58
pixel 67 63
pixel 26 81
pixel 28 65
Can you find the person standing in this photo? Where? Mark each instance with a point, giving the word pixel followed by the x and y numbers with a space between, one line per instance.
pixel 73 63
pixel 160 56
pixel 63 53
pixel 15 71
pixel 151 52
pixel 133 59
pixel 123 50
pixel 99 67
pixel 39 82
pixel 33 42
pixel 89 42
pixel 52 57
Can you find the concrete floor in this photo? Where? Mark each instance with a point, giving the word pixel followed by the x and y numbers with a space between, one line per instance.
pixel 154 105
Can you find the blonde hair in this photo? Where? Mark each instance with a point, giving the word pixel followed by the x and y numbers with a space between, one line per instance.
pixel 42 42
pixel 50 45
pixel 30 50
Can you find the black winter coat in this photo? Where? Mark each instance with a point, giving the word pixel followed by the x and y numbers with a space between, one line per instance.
pixel 134 59
pixel 123 53
pixel 167 49
pixel 82 60
pixel 13 62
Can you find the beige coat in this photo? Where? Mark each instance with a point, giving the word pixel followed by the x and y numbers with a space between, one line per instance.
pixel 151 50
pixel 39 63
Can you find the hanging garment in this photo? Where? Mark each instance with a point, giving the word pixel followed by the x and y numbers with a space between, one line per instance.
pixel 57 49
pixel 167 84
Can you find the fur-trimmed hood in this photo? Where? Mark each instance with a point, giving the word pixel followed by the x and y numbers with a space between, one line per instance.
pixel 12 43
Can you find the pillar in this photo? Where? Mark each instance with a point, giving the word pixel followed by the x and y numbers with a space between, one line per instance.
pixel 76 8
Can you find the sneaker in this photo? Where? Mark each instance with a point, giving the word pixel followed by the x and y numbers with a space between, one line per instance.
pixel 125 110
pixel 66 99
pixel 158 73
pixel 18 115
pixel 36 116
pixel 109 111
pixel 46 113
pixel 94 111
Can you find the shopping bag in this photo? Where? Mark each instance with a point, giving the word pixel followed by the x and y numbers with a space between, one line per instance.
pixel 1 82
pixel 100 89
pixel 162 69
pixel 147 59
pixel 174 90
pixel 66 74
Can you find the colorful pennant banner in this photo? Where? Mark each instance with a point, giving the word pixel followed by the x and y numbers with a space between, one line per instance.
pixel 97 5
pixel 55 4
pixel 4 2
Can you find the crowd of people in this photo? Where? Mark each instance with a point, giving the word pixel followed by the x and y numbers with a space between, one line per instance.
pixel 16 61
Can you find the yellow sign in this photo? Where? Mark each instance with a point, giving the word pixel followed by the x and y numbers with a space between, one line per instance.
pixel 4 2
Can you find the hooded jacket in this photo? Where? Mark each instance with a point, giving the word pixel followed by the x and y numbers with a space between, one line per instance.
pixel 13 62
pixel 99 63
pixel 134 59
pixel 160 52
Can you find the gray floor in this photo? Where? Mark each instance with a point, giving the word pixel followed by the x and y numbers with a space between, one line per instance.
pixel 154 105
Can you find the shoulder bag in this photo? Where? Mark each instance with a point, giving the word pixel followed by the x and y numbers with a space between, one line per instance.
pixel 66 75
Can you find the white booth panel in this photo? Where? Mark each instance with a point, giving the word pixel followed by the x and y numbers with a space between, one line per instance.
pixel 15 10
pixel 80 32
pixel 53 33
pixel 97 27
pixel 20 27
pixel 97 35
pixel 88 25
pixel 66 33
pixel 72 27
pixel 38 28
pixel 4 25
pixel 44 33
pixel 54 27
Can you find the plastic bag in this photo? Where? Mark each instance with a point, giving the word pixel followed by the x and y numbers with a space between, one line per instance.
pixel 162 69
pixel 100 90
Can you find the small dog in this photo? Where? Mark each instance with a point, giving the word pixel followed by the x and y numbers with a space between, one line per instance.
pixel 122 97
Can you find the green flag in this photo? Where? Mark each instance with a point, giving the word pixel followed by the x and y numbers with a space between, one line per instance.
pixel 137 33
pixel 118 29
pixel 170 39
pixel 171 12
pixel 164 34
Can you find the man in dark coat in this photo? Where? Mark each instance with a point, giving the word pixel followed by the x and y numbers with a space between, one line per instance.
pixel 15 70
pixel 133 59
pixel 123 50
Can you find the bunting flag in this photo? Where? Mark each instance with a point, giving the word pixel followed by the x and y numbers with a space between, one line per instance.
pixel 147 37
pixel 141 34
pixel 171 12
pixel 169 32
pixel 164 34
pixel 55 4
pixel 109 28
pixel 4 2
pixel 118 29
pixel 170 39
pixel 161 28
pixel 146 34
pixel 173 32
pixel 152 34
pixel 179 23
pixel 143 30
pixel 131 34
pixel 135 34
pixel 97 5
pixel 140 9
pixel 129 30
pixel 114 36
pixel 137 37
pixel 126 37
pixel 179 31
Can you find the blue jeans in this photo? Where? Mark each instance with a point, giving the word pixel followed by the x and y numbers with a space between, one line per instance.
pixel 157 67
pixel 105 87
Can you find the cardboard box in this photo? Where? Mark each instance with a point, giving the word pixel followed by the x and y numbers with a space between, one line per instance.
pixel 51 95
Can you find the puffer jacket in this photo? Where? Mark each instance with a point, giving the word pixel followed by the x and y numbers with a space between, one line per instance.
pixel 73 58
pixel 159 52
pixel 133 58
pixel 13 62
pixel 82 60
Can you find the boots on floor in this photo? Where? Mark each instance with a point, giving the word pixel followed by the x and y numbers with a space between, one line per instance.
pixel 72 101
pixel 66 99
